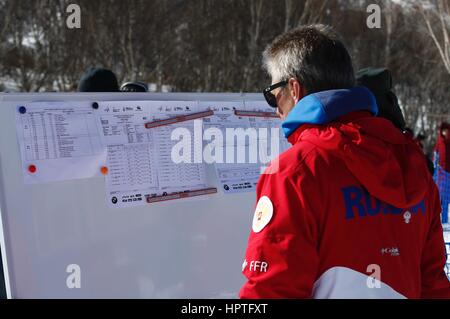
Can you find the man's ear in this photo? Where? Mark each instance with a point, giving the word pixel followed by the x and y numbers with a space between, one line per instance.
pixel 297 90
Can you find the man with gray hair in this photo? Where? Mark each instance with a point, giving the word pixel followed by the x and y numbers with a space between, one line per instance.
pixel 350 210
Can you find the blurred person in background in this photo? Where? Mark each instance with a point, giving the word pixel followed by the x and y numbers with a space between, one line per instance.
pixel 442 149
pixel 98 80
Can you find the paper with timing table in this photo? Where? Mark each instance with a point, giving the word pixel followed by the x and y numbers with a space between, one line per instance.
pixel 139 159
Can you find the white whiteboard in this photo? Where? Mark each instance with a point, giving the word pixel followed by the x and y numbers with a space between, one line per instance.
pixel 176 249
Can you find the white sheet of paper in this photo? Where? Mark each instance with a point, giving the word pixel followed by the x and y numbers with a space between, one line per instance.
pixel 139 159
pixel 238 178
pixel 233 177
pixel 224 118
pixel 60 140
pixel 241 175
pixel 267 122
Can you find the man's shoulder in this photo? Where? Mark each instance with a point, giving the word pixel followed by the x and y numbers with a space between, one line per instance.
pixel 295 160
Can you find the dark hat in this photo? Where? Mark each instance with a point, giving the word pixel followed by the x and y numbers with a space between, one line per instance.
pixel 98 80
pixel 379 81
pixel 134 87
pixel 444 125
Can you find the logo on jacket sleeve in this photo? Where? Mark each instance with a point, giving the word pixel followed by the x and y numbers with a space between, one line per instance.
pixel 263 214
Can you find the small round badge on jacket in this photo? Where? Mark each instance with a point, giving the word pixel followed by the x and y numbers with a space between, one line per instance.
pixel 263 214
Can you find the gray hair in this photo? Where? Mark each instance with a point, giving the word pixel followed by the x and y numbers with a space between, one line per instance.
pixel 314 55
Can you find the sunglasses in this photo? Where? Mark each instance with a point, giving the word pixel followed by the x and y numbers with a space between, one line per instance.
pixel 270 98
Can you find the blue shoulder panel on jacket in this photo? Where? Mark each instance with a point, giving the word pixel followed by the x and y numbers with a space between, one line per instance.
pixel 326 106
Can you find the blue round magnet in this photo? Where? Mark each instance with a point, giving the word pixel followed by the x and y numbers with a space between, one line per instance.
pixel 22 110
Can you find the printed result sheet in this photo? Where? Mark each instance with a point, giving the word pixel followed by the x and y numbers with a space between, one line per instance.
pixel 140 160
pixel 59 141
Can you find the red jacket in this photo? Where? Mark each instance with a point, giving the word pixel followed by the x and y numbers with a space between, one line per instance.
pixel 349 202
